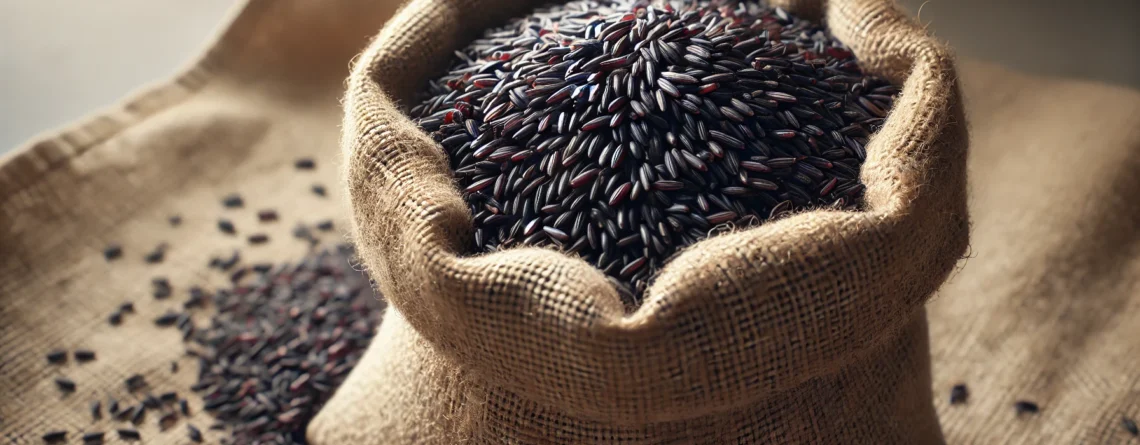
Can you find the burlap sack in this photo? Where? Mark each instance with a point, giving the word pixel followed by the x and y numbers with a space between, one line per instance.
pixel 1043 308
pixel 810 329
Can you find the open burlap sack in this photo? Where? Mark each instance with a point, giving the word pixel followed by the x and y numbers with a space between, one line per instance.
pixel 1043 309
pixel 810 329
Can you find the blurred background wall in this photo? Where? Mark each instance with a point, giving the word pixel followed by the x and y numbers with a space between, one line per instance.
pixel 61 59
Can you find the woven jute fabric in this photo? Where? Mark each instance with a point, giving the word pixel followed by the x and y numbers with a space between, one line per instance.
pixel 1044 307
pixel 265 93
pixel 1041 307
pixel 809 329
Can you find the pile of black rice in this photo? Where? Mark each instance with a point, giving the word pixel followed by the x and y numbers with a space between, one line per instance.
pixel 281 344
pixel 623 132
pixel 280 339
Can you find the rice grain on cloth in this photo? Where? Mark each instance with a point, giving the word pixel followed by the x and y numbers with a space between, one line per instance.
pixel 809 329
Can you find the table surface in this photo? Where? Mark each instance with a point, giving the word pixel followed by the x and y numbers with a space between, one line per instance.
pixel 62 59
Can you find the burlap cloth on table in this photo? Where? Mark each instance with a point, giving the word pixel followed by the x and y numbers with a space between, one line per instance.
pixel 1040 310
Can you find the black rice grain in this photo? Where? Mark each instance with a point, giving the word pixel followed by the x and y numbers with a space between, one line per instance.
pixel 193 433
pixel 167 420
pixel 174 220
pixel 157 255
pixel 258 238
pixel 57 356
pixel 226 263
pixel 305 164
pixel 319 190
pixel 152 402
pixel 112 252
pixel 609 112
pixel 233 201
pixel 226 226
pixel 237 275
pixel 303 233
pixel 138 414
pixel 267 215
pixel 65 384
pixel 1130 426
pixel 161 288
pixel 115 319
pixel 161 292
pixel 168 397
pixel 196 299
pixel 55 436
pixel 94 437
pixel 167 319
pixel 959 394
pixel 135 382
pixel 129 434
pixel 325 225
pixel 121 415
pixel 96 410
pixel 1026 407
pixel 84 355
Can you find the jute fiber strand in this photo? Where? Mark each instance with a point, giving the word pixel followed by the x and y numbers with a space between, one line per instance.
pixel 809 329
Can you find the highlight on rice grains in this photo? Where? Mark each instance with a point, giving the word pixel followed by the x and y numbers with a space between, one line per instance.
pixel 623 132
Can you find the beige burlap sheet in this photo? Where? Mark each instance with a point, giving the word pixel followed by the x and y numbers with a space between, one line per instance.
pixel 265 93
pixel 1040 310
